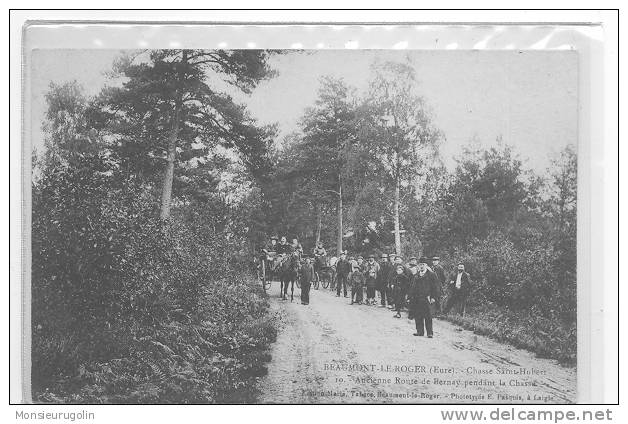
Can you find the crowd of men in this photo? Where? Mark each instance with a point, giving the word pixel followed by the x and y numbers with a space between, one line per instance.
pixel 416 285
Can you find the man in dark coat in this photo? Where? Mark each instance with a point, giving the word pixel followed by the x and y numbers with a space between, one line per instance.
pixel 343 269
pixel 372 276
pixel 382 279
pixel 399 285
pixel 422 293
pixel 459 289
pixel 389 276
pixel 413 262
pixel 307 274
pixel 440 273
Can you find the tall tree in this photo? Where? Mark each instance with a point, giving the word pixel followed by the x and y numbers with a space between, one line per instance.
pixel 321 155
pixel 495 176
pixel 170 111
pixel 68 128
pixel 397 130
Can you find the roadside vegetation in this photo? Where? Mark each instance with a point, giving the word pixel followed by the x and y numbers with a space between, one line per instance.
pixel 142 290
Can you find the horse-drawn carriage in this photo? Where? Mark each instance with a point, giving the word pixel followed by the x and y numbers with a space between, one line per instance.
pixel 286 268
pixel 324 272
pixel 283 268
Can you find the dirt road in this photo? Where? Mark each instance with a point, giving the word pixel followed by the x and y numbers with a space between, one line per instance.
pixel 333 352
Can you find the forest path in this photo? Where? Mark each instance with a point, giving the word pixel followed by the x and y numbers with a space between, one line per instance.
pixel 333 352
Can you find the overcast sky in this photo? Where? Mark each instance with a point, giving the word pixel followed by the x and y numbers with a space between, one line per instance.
pixel 528 98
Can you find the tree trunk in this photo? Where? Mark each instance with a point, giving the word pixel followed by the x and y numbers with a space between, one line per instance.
pixel 340 231
pixel 166 192
pixel 319 223
pixel 396 211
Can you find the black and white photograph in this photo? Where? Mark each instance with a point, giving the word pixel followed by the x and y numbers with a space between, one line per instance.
pixel 303 226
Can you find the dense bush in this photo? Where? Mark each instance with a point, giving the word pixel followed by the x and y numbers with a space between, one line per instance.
pixel 126 309
pixel 519 279
pixel 521 296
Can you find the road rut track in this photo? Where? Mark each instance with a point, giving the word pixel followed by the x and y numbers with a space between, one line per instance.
pixel 333 352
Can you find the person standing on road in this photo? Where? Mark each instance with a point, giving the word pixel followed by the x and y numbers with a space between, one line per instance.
pixel 440 273
pixel 372 273
pixel 343 269
pixel 412 264
pixel 422 293
pixel 459 288
pixel 399 284
pixel 307 274
pixel 382 279
pixel 391 273
pixel 357 280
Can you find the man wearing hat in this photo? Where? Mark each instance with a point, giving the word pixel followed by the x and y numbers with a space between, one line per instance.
pixel 382 279
pixel 422 294
pixel 306 276
pixel 459 288
pixel 389 276
pixel 399 286
pixel 343 269
pixel 372 274
pixel 440 273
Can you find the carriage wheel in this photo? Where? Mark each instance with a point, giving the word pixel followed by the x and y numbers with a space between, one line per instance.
pixel 259 273
pixel 264 277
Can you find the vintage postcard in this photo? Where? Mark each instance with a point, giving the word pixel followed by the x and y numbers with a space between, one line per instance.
pixel 303 226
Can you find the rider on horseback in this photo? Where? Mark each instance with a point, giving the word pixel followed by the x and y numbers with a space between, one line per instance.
pixel 320 256
pixel 296 247
pixel 283 247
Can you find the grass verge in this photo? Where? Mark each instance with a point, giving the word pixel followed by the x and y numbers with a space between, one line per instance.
pixel 546 338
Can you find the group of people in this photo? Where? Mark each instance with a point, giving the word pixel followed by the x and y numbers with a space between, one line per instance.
pixel 282 247
pixel 416 285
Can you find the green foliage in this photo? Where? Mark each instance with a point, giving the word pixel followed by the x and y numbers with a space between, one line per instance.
pixel 126 310
pixel 183 91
